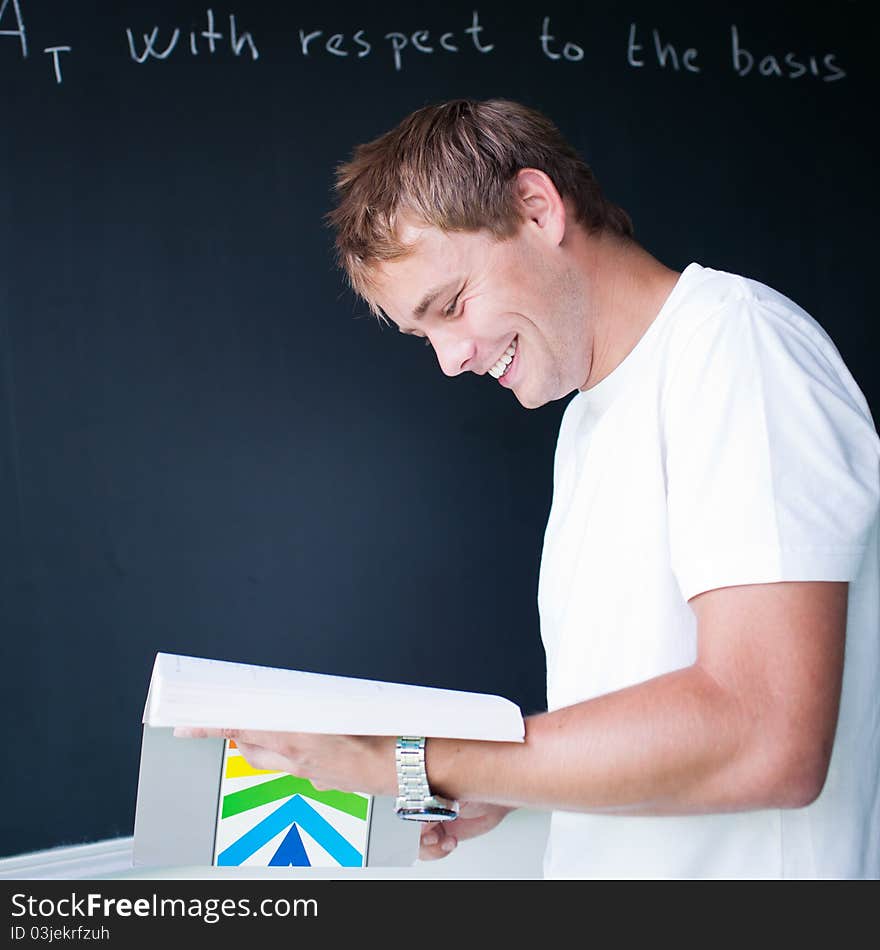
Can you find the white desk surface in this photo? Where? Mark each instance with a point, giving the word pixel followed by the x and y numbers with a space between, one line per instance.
pixel 513 850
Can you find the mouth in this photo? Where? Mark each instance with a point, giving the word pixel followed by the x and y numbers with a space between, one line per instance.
pixel 499 369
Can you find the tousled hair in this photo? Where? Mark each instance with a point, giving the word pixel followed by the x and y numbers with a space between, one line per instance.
pixel 453 166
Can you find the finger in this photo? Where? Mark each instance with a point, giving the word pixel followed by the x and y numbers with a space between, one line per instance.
pixel 435 852
pixel 197 732
pixel 263 759
pixel 210 732
pixel 431 833
pixel 449 843
pixel 258 737
pixel 463 828
pixel 440 843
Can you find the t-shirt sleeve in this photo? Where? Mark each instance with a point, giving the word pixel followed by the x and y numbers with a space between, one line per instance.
pixel 772 459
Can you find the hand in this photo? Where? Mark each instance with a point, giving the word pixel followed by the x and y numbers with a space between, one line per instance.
pixel 439 838
pixel 345 763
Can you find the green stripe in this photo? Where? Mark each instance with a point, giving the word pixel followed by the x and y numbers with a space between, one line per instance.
pixel 236 802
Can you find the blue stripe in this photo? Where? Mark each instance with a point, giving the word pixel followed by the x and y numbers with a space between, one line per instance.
pixel 326 835
pixel 239 851
pixel 297 810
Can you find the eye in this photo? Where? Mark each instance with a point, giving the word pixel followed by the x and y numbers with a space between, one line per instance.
pixel 450 310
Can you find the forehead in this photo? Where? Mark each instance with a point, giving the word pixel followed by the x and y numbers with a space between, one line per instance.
pixel 435 258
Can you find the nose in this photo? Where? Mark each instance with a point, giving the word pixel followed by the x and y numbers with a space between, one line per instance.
pixel 455 353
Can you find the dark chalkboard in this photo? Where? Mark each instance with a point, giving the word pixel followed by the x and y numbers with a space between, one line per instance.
pixel 207 446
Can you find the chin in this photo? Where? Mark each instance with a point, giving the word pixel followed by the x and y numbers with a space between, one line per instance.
pixel 534 400
pixel 530 402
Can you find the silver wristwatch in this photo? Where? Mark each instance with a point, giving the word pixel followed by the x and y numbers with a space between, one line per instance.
pixel 414 799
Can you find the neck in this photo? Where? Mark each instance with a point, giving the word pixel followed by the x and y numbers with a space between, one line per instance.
pixel 627 289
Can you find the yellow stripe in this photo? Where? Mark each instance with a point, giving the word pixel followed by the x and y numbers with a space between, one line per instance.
pixel 237 766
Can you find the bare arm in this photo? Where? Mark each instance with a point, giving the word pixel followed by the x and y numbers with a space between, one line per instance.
pixel 749 725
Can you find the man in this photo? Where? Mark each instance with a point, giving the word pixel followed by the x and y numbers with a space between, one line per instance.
pixel 709 581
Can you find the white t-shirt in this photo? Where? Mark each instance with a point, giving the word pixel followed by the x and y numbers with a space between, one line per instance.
pixel 731 446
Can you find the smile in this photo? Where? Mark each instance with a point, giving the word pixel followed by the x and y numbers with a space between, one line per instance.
pixel 501 367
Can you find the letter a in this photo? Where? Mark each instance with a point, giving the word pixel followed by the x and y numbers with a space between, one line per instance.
pixel 20 31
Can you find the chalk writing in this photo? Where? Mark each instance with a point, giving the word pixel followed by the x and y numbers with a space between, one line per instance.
pixel 152 44
pixel 570 51
pixel 420 40
pixel 19 31
pixel 238 42
pixel 210 35
pixel 744 61
pixel 149 45
pixel 15 7
pixel 645 49
pixel 334 44
pixel 55 50
pixel 664 52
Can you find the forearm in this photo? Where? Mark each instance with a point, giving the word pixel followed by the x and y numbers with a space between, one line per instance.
pixel 679 743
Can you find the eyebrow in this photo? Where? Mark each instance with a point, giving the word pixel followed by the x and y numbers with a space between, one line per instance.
pixel 430 297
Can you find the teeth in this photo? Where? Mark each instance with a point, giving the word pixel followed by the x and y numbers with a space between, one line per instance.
pixel 499 369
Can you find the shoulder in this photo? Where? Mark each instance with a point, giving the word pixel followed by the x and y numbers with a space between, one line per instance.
pixel 734 330
pixel 715 302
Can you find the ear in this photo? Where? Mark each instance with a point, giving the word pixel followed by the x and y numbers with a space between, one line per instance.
pixel 541 204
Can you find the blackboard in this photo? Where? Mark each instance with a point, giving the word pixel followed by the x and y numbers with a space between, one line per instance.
pixel 208 446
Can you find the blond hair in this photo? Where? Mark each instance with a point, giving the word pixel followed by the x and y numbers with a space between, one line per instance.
pixel 452 166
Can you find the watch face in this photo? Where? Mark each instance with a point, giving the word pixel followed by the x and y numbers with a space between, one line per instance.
pixel 428 813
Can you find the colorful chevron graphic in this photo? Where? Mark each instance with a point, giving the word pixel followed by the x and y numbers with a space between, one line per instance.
pixel 272 819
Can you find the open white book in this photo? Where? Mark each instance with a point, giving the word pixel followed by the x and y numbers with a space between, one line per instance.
pixel 192 691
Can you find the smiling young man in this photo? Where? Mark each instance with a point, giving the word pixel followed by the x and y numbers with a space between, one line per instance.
pixel 516 310
pixel 709 580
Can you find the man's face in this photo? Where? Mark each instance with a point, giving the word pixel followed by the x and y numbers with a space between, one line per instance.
pixel 487 306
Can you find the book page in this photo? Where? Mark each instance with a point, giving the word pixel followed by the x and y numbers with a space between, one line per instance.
pixel 219 694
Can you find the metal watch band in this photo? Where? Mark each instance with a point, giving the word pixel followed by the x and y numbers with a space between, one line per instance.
pixel 414 798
